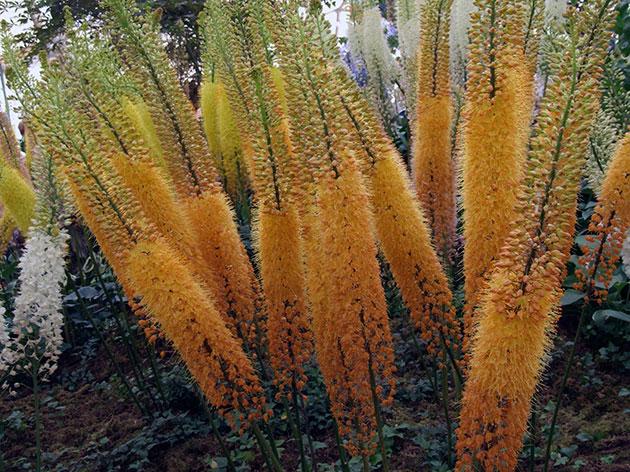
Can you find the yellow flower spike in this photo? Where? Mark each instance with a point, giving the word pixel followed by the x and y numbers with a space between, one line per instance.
pixel 7 225
pixel 349 308
pixel 234 173
pixel 190 320
pixel 209 98
pixel 223 138
pixel 516 317
pixel 282 272
pixel 9 146
pixel 221 248
pixel 496 128
pixel 140 116
pixel 434 170
pixel 17 196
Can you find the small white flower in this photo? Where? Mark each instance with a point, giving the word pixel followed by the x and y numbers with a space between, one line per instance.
pixel 555 10
pixel 366 39
pixel 38 322
pixel 602 146
pixel 5 352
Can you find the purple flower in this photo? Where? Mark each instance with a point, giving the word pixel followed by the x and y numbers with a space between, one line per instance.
pixel 357 68
pixel 390 30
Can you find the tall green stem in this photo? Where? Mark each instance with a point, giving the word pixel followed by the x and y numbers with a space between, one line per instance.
pixel 297 434
pixel 449 439
pixel 379 419
pixel 366 463
pixel 108 350
pixel 343 460
pixel 309 438
pixel 38 416
pixel 563 384
pixel 272 461
pixel 272 442
pixel 533 437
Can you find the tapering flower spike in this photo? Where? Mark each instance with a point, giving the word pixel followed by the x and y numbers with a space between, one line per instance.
pixel 190 165
pixel 497 114
pixel 238 51
pixel 223 139
pixel 7 226
pixel 609 226
pixel 38 322
pixel 368 43
pixel 458 41
pixel 518 310
pixel 401 228
pixel 9 146
pixel 16 192
pixel 140 115
pixel 352 335
pixel 354 345
pixel 188 317
pixel 185 149
pixel 282 271
pixel 434 169
pixel 17 196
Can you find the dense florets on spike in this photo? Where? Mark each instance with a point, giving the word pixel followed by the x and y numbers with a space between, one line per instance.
pixel 282 272
pixel 216 236
pixel 36 333
pixel 185 149
pixel 434 169
pixel 17 196
pixel 496 128
pixel 517 312
pixel 609 225
pixel 188 318
pixel 349 310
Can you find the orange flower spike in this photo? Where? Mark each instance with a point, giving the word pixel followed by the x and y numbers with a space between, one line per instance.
pixel 189 319
pixel 497 114
pixel 282 272
pixel 354 332
pixel 401 229
pixel 517 313
pixel 216 235
pixel 609 224
pixel 413 261
pixel 150 188
pixel 433 167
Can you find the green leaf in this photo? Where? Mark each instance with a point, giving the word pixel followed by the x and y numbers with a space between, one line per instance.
pixel 600 316
pixel 571 296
